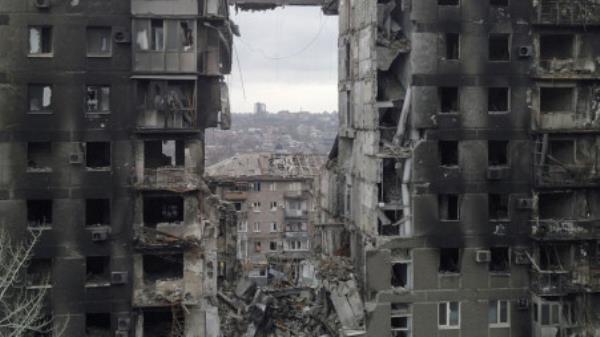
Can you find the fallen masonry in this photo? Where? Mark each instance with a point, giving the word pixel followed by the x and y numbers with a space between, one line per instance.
pixel 332 306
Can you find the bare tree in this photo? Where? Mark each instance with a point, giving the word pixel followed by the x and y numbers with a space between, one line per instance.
pixel 22 309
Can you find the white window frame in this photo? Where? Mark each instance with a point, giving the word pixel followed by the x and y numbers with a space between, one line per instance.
pixel 273 186
pixel 551 322
pixel 274 227
pixel 256 206
pixel 408 328
pixel 447 325
pixel 274 205
pixel 257 227
pixel 243 227
pixel 498 323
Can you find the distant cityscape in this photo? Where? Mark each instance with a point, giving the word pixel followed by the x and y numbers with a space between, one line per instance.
pixel 282 132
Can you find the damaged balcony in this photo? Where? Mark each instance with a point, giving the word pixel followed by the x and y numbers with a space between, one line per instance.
pixel 158 279
pixel 567 12
pixel 566 56
pixel 164 168
pixel 167 105
pixel 566 107
pixel 566 161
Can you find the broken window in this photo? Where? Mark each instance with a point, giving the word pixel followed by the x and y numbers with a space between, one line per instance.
pixel 448 2
pixel 400 320
pixel 452 46
pixel 499 47
pixel 497 153
pixel 97 212
pixel 39 97
pixel 39 156
pixel 557 46
pixel 164 153
pixel 561 151
pixel 448 151
pixel 166 104
pixel 237 206
pixel 273 245
pixel 391 224
pixel 39 272
pixel 449 315
pixel 556 99
pixel 39 213
pixel 97 269
pixel 162 267
pixel 553 257
pixel 555 205
pixel 449 208
pixel 40 40
pixel 160 322
pixel 498 99
pixel 165 209
pixel 499 3
pixel 449 260
pixel 157 35
pixel 498 313
pixel 448 97
pixel 186 35
pixel 99 41
pixel 97 99
pixel 400 274
pixel 498 206
pixel 97 155
pixel 97 324
pixel 500 259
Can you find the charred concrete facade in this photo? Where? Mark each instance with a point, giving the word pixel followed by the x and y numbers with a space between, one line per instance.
pixel 461 183
pixel 104 105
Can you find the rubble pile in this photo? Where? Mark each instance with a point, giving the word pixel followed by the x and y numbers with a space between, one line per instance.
pixel 329 309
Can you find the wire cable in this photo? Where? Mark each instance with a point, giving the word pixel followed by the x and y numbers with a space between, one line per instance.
pixel 237 58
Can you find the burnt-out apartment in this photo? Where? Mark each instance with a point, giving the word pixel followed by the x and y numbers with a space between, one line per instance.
pixel 463 181
pixel 103 107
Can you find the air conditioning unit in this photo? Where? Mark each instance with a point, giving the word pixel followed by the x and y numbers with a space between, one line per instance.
pixel 42 3
pixel 121 35
pixel 483 256
pixel 118 277
pixel 523 303
pixel 75 158
pixel 525 203
pixel 121 333
pixel 123 323
pixel 100 234
pixel 497 173
pixel 525 51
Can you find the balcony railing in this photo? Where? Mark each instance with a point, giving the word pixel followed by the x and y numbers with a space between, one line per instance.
pixel 175 119
pixel 176 179
pixel 565 229
pixel 296 213
pixel 568 12
pixel 551 282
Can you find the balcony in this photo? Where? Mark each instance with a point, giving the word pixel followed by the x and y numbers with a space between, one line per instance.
pixel 565 230
pixel 556 283
pixel 176 179
pixel 235 195
pixel 296 213
pixel 567 12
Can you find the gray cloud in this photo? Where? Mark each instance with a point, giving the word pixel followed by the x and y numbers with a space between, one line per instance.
pixel 288 60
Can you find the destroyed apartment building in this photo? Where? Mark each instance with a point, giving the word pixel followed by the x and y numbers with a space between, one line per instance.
pixel 463 183
pixel 104 106
pixel 273 195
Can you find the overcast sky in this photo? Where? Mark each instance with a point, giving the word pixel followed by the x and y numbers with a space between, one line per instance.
pixel 288 60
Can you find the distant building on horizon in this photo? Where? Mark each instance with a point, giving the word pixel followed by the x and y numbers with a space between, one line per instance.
pixel 260 108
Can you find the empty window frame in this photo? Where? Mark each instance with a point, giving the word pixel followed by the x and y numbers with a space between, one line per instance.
pixel 97 324
pixel 99 41
pixel 166 104
pixel 557 46
pixel 39 213
pixel 163 209
pixel 448 2
pixel 97 99
pixel 498 206
pixel 162 266
pixel 400 320
pixel 97 212
pixel 39 98
pixel 449 260
pixel 498 99
pixel 449 207
pixel 448 99
pixel 452 46
pixel 40 41
pixel 162 321
pixel 556 205
pixel 561 152
pixel 164 153
pixel 497 153
pixel 499 47
pixel 97 155
pixel 499 3
pixel 448 152
pixel 557 99
pixel 157 35
pixel 500 260
pixel 39 272
pixel 257 247
pixel 401 273
pixel 39 157
pixel 160 35
pixel 273 245
pixel 499 313
pixel 97 269
pixel 449 315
